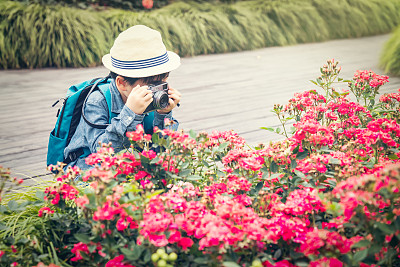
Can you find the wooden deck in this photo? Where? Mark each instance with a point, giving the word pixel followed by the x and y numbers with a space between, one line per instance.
pixel 220 92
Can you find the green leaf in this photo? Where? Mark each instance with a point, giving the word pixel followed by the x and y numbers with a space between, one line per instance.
pixel 300 174
pixel 273 167
pixel 3 209
pixel 155 160
pixel 360 255
pixel 384 228
pixel 334 161
pixel 393 157
pixel 293 164
pixel 361 244
pixel 82 238
pixel 185 172
pixel 268 129
pixel 192 134
pixel 3 227
pixel 259 186
pixel 132 255
pixel 12 205
pixel 223 146
pixel 273 176
pixel 147 256
pixel 205 163
pixel 194 177
pixel 230 264
pixel 23 241
pixel 157 192
pixel 155 138
pixel 184 165
pixel 201 260
pixel 302 155
pixel 278 254
pixel 40 195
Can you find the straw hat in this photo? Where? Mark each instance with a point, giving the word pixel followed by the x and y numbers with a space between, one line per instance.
pixel 140 52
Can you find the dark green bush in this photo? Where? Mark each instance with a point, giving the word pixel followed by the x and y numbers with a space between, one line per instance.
pixel 390 59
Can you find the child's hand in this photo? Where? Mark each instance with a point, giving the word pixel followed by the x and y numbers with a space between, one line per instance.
pixel 139 99
pixel 174 98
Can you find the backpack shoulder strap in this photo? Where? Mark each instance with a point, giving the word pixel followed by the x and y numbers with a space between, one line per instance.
pixel 105 91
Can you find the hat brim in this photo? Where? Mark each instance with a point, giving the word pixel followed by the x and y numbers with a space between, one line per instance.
pixel 173 63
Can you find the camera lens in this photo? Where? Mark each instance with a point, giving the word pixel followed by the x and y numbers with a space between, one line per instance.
pixel 160 100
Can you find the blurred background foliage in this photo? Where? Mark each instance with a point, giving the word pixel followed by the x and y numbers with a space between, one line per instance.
pixel 53 33
pixel 390 59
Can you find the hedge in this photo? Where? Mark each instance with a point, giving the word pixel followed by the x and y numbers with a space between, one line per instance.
pixel 36 36
pixel 390 59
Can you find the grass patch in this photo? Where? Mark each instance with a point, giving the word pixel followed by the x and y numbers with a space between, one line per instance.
pixel 35 36
pixel 390 59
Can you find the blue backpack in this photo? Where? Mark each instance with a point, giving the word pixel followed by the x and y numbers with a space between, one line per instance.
pixel 69 116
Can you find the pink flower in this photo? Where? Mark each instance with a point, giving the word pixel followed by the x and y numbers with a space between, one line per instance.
pixel 326 262
pixel 118 262
pixel 78 249
pixel 141 175
pixel 174 237
pixel 158 240
pixel 136 135
pixel 185 243
pixel 148 4
pixel 45 210
pixel 82 201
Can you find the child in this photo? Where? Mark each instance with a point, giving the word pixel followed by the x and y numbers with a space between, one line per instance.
pixel 138 58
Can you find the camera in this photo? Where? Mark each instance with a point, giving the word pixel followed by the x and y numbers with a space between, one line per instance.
pixel 160 96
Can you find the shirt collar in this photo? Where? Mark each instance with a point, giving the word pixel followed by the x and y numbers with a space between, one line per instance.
pixel 116 100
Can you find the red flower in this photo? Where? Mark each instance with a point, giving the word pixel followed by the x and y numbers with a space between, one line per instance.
pixel 82 201
pixel 78 249
pixel 136 135
pixel 185 243
pixel 148 4
pixel 117 262
pixel 326 262
pixel 141 175
pixel 45 210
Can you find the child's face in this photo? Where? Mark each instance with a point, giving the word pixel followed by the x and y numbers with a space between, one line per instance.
pixel 140 83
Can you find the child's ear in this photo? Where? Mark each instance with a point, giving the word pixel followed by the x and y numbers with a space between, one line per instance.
pixel 121 83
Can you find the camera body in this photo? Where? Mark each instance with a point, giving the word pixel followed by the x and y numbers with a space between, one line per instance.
pixel 160 96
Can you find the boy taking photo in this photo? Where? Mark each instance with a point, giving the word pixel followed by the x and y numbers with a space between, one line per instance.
pixel 137 59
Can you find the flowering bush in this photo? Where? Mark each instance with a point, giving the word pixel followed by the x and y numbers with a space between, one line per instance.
pixel 327 195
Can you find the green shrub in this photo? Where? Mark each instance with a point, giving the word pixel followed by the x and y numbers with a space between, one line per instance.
pixel 35 36
pixel 390 59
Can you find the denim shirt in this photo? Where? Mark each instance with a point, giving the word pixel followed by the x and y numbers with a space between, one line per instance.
pixel 96 111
